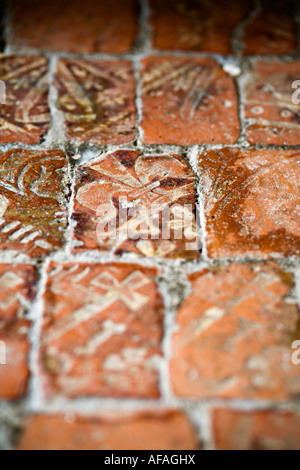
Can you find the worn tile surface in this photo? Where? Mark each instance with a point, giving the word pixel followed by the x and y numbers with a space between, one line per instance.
pixel 196 25
pixel 97 98
pixel 188 101
pixel 109 26
pixel 234 335
pixel 17 290
pixel 24 117
pixel 156 430
pixel 256 430
pixel 102 331
pixel 273 117
pixel 137 187
pixel 272 28
pixel 33 215
pixel 251 203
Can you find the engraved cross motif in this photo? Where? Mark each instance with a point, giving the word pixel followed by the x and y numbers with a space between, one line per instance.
pixel 92 301
pixel 124 291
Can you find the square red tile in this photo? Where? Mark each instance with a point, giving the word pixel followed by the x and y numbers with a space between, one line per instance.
pixel 102 331
pixel 162 430
pixel 251 203
pixel 109 26
pixel 33 214
pixel 272 103
pixel 235 335
pixel 188 101
pixel 128 184
pixel 98 100
pixel 24 109
pixel 256 430
pixel 189 25
pixel 272 28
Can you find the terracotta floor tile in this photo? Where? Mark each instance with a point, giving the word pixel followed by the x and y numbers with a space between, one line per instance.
pixel 196 25
pixel 251 203
pixel 154 430
pixel 188 101
pixel 256 430
pixel 273 29
pixel 274 118
pixel 97 98
pixel 109 26
pixel 128 180
pixel 102 329
pixel 235 334
pixel 33 215
pixel 25 117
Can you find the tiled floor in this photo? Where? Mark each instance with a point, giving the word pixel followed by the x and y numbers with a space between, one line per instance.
pixel 185 339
